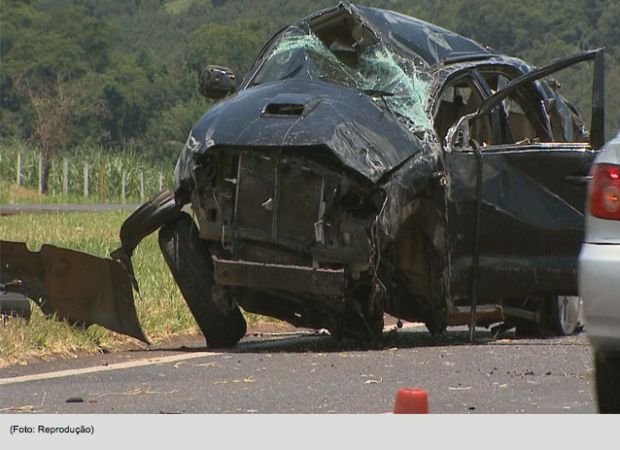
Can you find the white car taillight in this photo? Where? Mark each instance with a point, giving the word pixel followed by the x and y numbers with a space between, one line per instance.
pixel 604 195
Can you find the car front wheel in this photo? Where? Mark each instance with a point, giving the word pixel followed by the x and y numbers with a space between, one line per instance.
pixel 189 260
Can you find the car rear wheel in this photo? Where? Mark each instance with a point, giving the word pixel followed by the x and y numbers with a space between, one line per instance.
pixel 607 386
pixel 189 260
pixel 564 319
pixel 559 316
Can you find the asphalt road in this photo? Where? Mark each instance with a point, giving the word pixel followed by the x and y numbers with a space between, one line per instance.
pixel 10 210
pixel 309 373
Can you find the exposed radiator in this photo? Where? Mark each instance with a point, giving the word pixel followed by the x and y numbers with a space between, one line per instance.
pixel 278 199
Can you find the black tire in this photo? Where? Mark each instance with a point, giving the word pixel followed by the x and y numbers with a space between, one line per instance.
pixel 189 260
pixel 608 383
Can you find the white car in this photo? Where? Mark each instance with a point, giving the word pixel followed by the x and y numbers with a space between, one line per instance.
pixel 599 274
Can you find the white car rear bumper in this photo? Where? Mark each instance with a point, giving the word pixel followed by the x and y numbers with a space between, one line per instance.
pixel 599 287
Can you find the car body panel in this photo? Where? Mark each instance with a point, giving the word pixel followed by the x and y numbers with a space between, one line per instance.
pixel 71 285
pixel 532 224
pixel 599 266
pixel 319 121
pixel 601 231
pixel 599 285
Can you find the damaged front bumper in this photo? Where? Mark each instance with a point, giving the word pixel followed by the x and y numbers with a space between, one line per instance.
pixel 81 288
pixel 258 275
pixel 71 285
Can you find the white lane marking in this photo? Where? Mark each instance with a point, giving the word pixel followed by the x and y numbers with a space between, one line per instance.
pixel 119 366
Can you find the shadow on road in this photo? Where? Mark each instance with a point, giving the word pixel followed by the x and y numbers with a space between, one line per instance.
pixel 309 341
pixel 391 339
pixel 318 342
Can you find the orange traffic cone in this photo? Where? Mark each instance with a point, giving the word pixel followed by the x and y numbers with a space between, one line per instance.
pixel 411 401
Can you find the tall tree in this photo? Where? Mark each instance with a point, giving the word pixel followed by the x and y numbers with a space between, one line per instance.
pixel 56 108
pixel 49 61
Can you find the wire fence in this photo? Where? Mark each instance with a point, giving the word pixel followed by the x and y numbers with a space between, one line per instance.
pixel 85 174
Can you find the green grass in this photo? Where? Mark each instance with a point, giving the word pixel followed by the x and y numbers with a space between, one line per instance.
pixel 5 187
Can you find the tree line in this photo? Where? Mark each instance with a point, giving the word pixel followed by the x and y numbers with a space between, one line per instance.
pixel 123 73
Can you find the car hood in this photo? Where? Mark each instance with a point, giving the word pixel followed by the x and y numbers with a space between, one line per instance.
pixel 360 130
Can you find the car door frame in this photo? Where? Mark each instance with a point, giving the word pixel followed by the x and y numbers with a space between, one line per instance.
pixel 520 276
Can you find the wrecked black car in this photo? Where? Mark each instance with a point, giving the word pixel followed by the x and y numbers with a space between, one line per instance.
pixel 372 163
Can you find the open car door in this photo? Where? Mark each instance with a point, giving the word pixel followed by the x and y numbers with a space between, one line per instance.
pixel 517 192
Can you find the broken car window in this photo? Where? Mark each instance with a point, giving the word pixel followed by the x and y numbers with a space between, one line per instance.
pixel 375 70
pixel 458 99
pixel 566 124
pixel 516 116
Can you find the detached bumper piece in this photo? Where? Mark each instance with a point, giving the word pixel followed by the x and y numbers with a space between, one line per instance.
pixel 77 287
pixel 260 276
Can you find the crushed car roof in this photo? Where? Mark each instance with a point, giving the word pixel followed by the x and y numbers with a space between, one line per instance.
pixel 431 43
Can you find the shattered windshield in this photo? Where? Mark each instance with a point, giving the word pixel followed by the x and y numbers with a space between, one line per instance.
pixel 388 78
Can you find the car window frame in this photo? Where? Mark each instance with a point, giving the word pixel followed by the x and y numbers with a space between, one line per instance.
pixel 457 138
pixel 529 99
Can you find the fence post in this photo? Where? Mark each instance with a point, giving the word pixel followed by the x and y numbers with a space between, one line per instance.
pixel 124 186
pixel 86 179
pixel 40 173
pixel 65 176
pixel 142 186
pixel 18 175
pixel 101 184
pixel 161 182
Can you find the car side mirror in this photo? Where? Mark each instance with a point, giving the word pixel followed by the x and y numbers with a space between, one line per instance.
pixel 217 82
